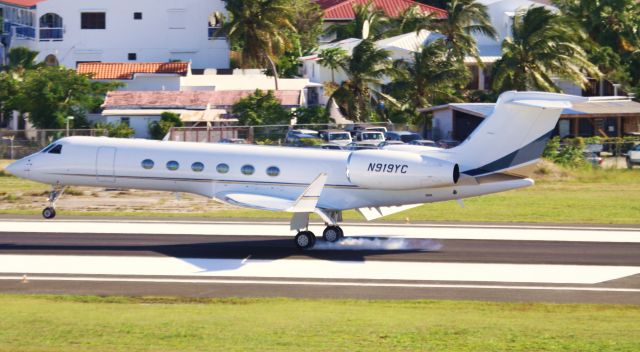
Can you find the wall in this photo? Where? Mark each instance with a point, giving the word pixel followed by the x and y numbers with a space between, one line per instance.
pixel 151 38
pixel 151 82
pixel 139 123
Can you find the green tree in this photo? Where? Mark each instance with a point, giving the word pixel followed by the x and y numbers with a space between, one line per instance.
pixel 50 94
pixel 116 130
pixel 333 59
pixel 612 26
pixel 369 23
pixel 261 108
pixel 412 19
pixel 21 58
pixel 465 18
pixel 8 91
pixel 430 78
pixel 365 69
pixel 159 129
pixel 261 29
pixel 312 115
pixel 544 45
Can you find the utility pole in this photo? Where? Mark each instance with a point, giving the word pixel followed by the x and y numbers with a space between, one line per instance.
pixel 68 119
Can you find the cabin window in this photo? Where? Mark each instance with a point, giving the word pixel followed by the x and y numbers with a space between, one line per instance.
pixel 273 171
pixel 222 168
pixel 173 165
pixel 56 150
pixel 197 166
pixel 248 170
pixel 147 164
pixel 137 15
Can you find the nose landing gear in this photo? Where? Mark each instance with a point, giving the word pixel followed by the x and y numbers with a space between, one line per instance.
pixel 50 211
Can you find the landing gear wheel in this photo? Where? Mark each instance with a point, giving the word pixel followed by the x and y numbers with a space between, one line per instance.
pixel 332 233
pixel 305 240
pixel 49 213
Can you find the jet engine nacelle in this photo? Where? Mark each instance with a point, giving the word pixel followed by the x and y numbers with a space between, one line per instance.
pixel 399 170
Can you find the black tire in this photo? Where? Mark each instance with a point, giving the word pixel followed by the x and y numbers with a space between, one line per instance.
pixel 305 240
pixel 49 213
pixel 332 233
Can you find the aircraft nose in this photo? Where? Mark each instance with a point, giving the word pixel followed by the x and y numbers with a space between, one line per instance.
pixel 17 168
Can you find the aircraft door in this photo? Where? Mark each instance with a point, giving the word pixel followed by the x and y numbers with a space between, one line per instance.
pixel 105 164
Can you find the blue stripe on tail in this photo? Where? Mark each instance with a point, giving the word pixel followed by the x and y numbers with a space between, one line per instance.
pixel 529 152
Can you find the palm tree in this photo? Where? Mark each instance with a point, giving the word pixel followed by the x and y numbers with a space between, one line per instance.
pixel 465 18
pixel 544 45
pixel 412 19
pixel 430 78
pixel 365 69
pixel 369 22
pixel 261 29
pixel 333 59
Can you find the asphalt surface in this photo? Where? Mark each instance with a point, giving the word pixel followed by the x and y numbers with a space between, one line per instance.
pixel 625 290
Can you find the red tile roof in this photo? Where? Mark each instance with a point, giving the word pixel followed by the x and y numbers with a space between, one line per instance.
pixel 187 99
pixel 126 70
pixel 21 3
pixel 343 9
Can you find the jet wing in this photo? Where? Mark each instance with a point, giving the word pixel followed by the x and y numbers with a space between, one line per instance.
pixel 305 203
pixel 372 213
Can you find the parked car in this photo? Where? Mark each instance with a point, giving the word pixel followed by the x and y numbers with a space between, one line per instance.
pixel 386 143
pixel 303 140
pixel 294 133
pixel 424 143
pixel 404 136
pixel 354 129
pixel 448 143
pixel 330 146
pixel 339 137
pixel 633 156
pixel 233 141
pixel 362 145
pixel 367 135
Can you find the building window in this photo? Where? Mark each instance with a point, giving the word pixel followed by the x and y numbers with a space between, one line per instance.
pixel 147 164
pixel 173 165
pixel 222 168
pixel 273 171
pixel 248 170
pixel 137 15
pixel 51 27
pixel 197 166
pixel 132 56
pixel 125 121
pixel 93 20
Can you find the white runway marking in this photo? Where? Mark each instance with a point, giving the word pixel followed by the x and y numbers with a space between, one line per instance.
pixel 316 283
pixel 477 232
pixel 311 269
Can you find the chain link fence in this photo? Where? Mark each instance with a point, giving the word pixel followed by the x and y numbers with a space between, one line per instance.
pixel 18 144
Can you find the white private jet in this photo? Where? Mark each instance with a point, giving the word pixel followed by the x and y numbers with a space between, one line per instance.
pixel 498 156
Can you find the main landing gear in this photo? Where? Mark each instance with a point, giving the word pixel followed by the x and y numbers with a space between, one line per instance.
pixel 50 211
pixel 306 239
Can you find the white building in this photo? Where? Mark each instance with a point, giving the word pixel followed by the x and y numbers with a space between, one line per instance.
pixel 69 32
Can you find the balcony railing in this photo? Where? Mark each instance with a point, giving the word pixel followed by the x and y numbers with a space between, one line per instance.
pixel 215 33
pixel 19 31
pixel 51 34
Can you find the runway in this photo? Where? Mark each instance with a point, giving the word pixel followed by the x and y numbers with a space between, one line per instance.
pixel 375 261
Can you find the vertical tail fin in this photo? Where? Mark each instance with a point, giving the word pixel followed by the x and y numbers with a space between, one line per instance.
pixel 514 135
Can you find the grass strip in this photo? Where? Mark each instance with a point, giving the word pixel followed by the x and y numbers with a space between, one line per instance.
pixel 81 323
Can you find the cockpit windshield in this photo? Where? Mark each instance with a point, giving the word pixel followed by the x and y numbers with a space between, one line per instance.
pixel 48 148
pixel 53 148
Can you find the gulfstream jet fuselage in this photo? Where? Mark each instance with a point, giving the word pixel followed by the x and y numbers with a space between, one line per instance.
pixel 498 156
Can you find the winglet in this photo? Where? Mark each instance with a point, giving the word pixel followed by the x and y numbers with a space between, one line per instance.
pixel 307 201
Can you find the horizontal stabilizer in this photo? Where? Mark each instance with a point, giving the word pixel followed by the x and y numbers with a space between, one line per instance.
pixel 372 213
